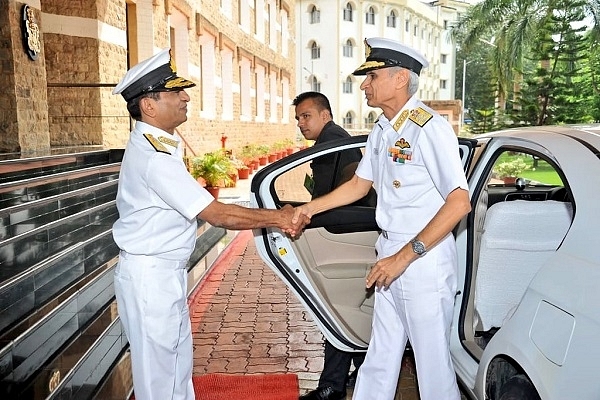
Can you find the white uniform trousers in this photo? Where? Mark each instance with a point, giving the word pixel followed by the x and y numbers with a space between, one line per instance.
pixel 417 306
pixel 152 305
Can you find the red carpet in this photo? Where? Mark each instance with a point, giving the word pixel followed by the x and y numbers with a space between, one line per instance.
pixel 246 387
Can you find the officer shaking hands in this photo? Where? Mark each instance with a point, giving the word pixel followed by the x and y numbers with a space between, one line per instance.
pixel 412 160
pixel 158 202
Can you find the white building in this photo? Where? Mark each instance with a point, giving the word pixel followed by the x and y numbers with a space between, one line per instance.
pixel 330 45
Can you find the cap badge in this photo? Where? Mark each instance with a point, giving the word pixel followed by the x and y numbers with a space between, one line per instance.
pixel 172 62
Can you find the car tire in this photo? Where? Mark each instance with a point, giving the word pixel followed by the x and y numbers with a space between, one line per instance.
pixel 518 388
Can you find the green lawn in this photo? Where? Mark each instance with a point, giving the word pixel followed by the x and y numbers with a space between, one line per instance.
pixel 543 173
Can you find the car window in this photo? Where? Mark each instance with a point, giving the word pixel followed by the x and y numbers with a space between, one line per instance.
pixel 289 186
pixel 511 165
pixel 299 183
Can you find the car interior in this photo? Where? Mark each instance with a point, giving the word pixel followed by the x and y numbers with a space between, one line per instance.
pixel 516 227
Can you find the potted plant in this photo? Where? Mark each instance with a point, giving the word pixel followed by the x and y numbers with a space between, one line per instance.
pixel 249 155
pixel 279 149
pixel 243 171
pixel 289 146
pixel 214 170
pixel 263 153
pixel 508 171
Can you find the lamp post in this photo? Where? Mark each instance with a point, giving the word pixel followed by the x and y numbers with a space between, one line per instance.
pixel 462 102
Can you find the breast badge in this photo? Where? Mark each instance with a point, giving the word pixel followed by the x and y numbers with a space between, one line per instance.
pixel 396 184
pixel 401 152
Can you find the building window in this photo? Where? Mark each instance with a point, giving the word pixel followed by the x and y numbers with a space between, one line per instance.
pixel 445 24
pixel 348 12
pixel 391 20
pixel 443 84
pixel 347 85
pixel 315 85
pixel 348 48
pixel 444 58
pixel 407 26
pixel 370 120
pixel 370 16
pixel 416 30
pixel 347 120
pixel 315 15
pixel 315 51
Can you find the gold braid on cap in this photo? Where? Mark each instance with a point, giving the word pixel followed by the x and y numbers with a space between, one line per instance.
pixel 367 49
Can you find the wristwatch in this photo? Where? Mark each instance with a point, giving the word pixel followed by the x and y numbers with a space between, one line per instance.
pixel 418 247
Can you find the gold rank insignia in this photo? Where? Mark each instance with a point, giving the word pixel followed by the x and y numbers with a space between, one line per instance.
pixel 168 141
pixel 396 183
pixel 402 143
pixel 158 146
pixel 367 49
pixel 420 117
pixel 400 120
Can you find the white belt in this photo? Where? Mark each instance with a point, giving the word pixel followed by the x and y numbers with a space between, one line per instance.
pixel 396 237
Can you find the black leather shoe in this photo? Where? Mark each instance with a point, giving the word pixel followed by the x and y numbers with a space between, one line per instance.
pixel 324 393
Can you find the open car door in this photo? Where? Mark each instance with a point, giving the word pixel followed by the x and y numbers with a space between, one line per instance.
pixel 327 265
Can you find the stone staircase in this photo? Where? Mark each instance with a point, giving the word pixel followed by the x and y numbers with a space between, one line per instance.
pixel 60 335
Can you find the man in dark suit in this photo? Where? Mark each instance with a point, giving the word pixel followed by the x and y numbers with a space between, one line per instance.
pixel 314 116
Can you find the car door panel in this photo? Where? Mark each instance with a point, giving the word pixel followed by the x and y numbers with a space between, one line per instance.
pixel 337 265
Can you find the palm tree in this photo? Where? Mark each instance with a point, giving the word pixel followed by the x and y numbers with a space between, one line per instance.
pixel 513 26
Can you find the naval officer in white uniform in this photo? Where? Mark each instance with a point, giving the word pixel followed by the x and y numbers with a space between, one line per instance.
pixel 412 160
pixel 158 202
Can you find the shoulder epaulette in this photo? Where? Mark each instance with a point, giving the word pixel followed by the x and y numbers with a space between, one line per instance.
pixel 420 117
pixel 158 146
pixel 169 141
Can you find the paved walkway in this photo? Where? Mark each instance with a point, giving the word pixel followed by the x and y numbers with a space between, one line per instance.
pixel 246 321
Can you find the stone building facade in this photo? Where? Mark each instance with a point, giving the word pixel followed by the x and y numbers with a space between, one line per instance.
pixel 240 53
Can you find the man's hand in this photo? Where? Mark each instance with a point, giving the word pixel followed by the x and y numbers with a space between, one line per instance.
pixel 301 212
pixel 385 271
pixel 292 223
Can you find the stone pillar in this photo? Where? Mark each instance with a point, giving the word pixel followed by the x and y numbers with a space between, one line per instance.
pixel 23 95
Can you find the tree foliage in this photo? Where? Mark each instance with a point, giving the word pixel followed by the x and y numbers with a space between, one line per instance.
pixel 544 62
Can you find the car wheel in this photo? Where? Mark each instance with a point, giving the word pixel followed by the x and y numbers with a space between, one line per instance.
pixel 518 388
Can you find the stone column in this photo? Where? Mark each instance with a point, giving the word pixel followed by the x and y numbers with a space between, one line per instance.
pixel 23 94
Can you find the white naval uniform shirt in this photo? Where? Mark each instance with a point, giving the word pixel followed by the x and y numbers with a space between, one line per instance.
pixel 414 185
pixel 157 198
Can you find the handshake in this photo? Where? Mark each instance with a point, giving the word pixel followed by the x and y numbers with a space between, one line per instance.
pixel 293 220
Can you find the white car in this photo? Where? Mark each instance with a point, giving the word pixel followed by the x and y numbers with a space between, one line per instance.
pixel 527 314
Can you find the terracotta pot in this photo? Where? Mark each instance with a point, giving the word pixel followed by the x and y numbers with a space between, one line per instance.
pixel 243 173
pixel 290 151
pixel 214 190
pixel 262 160
pixel 233 180
pixel 509 180
pixel 272 158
